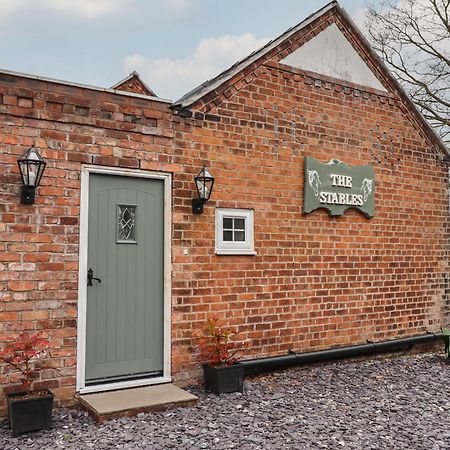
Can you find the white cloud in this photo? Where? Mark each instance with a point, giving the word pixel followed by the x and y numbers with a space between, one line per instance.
pixel 171 78
pixel 9 7
pixel 87 9
pixel 176 7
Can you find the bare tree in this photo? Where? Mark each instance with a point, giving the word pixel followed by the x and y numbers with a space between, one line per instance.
pixel 413 39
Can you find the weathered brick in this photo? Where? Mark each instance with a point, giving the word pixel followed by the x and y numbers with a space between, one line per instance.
pixel 25 102
pixel 10 100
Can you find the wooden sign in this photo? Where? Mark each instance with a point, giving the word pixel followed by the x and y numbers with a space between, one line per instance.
pixel 338 187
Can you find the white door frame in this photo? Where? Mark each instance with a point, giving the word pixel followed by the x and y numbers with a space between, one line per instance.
pixel 82 278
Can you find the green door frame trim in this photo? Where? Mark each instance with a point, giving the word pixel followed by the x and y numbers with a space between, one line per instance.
pixel 82 277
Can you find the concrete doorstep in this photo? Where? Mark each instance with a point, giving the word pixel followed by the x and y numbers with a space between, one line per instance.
pixel 130 402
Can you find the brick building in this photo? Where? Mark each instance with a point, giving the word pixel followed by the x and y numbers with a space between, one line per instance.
pixel 123 162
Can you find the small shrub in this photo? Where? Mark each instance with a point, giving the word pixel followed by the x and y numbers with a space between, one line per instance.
pixel 216 344
pixel 23 353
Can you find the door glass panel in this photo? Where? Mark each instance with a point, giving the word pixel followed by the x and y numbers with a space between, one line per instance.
pixel 126 224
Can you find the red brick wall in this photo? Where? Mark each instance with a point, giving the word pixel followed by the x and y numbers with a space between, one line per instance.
pixel 316 281
pixel 39 243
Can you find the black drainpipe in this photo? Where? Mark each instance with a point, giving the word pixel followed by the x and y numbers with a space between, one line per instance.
pixel 254 366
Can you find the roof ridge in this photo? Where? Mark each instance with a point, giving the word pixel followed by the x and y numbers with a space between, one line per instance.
pixel 134 74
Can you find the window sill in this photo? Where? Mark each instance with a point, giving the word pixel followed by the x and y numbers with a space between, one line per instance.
pixel 236 252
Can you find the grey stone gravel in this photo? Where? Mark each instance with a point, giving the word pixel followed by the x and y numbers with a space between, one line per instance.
pixel 400 402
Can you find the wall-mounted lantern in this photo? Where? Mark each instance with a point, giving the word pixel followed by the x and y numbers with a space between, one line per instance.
pixel 31 166
pixel 204 182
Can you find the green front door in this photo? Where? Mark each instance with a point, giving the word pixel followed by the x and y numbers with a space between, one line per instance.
pixel 124 321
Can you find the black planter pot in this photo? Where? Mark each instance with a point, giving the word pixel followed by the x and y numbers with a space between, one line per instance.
pixel 223 379
pixel 29 414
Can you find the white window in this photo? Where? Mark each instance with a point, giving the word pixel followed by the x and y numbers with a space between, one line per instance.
pixel 234 232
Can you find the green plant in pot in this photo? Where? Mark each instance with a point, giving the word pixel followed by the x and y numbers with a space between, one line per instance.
pixel 28 409
pixel 221 371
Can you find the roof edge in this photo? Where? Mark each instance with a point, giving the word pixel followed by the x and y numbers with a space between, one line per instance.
pixel 83 86
pixel 209 85
pixel 129 77
pixel 132 74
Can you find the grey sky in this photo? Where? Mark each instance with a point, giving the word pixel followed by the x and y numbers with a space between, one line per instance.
pixel 174 44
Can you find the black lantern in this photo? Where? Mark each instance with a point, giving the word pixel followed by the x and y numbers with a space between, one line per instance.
pixel 204 182
pixel 31 166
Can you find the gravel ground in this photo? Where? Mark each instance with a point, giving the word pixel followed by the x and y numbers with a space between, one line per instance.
pixel 388 403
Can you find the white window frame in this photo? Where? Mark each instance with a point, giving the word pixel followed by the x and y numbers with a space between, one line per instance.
pixel 246 247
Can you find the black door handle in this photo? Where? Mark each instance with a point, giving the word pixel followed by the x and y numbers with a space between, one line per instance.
pixel 91 277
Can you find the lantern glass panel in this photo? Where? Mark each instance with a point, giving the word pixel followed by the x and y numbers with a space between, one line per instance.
pixel 31 166
pixel 204 182
pixel 203 189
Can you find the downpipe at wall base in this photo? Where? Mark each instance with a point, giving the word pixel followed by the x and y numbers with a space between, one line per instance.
pixel 260 365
